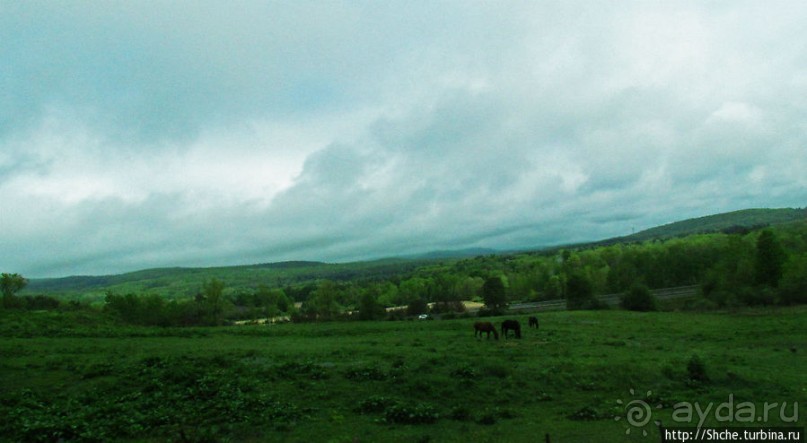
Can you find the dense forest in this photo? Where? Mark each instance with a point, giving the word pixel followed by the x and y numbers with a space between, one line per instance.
pixel 733 265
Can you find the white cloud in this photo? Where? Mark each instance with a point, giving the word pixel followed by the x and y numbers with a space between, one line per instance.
pixel 136 136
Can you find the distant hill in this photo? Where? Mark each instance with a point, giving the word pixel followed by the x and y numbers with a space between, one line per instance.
pixel 185 282
pixel 455 253
pixel 736 221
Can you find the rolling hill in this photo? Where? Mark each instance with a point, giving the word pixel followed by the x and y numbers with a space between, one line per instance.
pixel 736 221
pixel 185 282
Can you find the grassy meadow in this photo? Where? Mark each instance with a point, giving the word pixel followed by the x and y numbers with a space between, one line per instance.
pixel 75 377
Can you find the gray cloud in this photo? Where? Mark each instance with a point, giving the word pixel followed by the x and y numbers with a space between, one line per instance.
pixel 205 133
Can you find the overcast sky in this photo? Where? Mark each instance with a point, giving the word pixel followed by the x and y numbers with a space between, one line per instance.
pixel 141 134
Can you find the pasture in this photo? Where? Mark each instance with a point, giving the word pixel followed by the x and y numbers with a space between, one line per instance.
pixel 72 376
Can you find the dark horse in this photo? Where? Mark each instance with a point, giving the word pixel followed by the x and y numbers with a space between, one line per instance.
pixel 533 322
pixel 485 326
pixel 511 325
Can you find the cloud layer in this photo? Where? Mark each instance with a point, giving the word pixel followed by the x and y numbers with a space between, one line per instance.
pixel 206 133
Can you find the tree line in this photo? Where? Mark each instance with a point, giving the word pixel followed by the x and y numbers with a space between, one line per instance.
pixel 734 268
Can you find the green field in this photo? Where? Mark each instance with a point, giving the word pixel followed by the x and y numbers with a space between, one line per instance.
pixel 76 377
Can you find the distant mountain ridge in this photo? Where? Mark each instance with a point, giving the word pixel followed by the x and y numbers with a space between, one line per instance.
pixel 725 222
pixel 454 253
pixel 186 281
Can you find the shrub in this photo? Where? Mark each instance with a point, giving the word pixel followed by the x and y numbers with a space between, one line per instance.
pixel 639 298
pixel 696 369
pixel 309 370
pixel 417 306
pixel 420 413
pixel 793 286
pixel 488 418
pixel 588 413
pixel 761 296
pixel 365 374
pixel 491 416
pixel 465 371
pixel 460 413
pixel 375 404
pixel 448 307
pixel 580 293
pixel 497 370
pixel 39 302
pixel 700 304
pixel 485 312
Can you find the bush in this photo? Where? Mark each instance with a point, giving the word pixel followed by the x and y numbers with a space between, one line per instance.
pixel 309 370
pixel 696 369
pixel 580 293
pixel 40 303
pixel 417 306
pixel 588 413
pixel 375 404
pixel 639 298
pixel 460 413
pixel 365 374
pixel 465 371
pixel 793 286
pixel 408 414
pixel 700 304
pixel 448 307
pixel 485 312
pixel 496 370
pixel 762 296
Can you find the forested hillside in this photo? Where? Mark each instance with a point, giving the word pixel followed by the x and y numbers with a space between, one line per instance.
pixel 737 221
pixel 738 266
pixel 175 283
pixel 184 282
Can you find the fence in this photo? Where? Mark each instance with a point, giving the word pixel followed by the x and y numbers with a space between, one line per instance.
pixel 610 299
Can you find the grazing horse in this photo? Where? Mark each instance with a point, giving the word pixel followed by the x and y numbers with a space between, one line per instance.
pixel 511 325
pixel 533 322
pixel 485 326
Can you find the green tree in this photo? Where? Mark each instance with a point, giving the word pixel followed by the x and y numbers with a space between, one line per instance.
pixel 271 301
pixel 494 294
pixel 212 300
pixel 414 288
pixel 387 294
pixel 793 286
pixel 770 259
pixel 579 293
pixel 417 306
pixel 639 298
pixel 324 300
pixel 553 288
pixel 282 301
pixel 369 308
pixel 10 284
pixel 469 287
pixel 125 307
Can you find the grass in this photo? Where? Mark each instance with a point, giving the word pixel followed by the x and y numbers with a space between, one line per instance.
pixel 392 381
